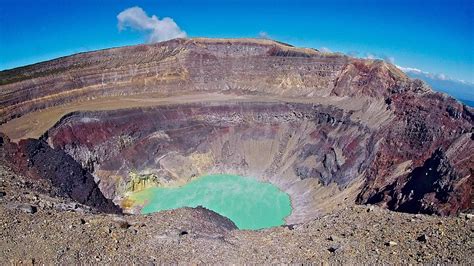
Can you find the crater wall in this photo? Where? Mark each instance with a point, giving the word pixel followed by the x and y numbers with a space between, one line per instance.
pixel 182 66
pixel 301 148
pixel 322 156
pixel 324 127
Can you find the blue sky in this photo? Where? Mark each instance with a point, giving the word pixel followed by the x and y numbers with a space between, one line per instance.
pixel 435 37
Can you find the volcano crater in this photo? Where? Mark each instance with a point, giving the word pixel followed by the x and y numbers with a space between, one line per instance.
pixel 310 152
pixel 327 129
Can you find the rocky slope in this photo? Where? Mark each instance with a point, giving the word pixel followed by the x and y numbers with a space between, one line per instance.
pixel 40 161
pixel 39 227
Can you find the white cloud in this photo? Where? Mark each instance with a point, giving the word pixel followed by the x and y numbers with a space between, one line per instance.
pixel 263 35
pixel 433 76
pixel 411 69
pixel 157 29
pixel 372 56
pixel 457 88
pixel 325 50
pixel 390 59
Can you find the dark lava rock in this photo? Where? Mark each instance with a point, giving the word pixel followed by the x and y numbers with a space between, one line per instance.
pixel 335 248
pixel 423 238
pixel 290 226
pixel 215 218
pixel 38 160
pixel 428 189
pixel 453 112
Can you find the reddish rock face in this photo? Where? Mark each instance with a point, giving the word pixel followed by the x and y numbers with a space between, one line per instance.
pixel 322 119
pixel 435 133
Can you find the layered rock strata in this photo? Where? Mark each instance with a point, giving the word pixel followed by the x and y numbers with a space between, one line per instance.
pixel 325 128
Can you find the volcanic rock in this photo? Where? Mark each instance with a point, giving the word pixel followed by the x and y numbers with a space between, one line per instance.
pixel 423 238
pixel 326 128
pixel 53 236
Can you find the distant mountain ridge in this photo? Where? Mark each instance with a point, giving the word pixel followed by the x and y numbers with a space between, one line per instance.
pixel 462 91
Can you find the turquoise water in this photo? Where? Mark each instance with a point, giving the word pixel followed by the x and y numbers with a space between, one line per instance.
pixel 250 204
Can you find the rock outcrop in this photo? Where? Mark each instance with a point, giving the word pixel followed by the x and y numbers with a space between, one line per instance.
pixel 38 160
pixel 325 128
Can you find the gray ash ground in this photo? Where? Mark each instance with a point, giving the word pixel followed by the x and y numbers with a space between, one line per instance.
pixel 39 227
